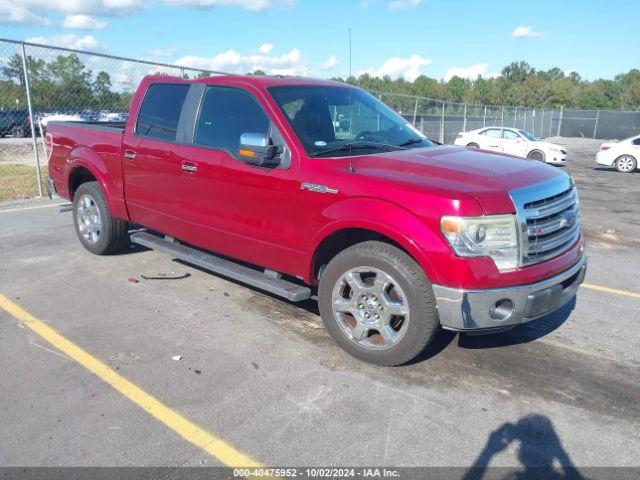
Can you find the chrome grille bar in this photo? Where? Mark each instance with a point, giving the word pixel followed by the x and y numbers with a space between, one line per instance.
pixel 549 219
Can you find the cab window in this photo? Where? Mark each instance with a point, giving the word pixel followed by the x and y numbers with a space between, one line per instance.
pixel 160 111
pixel 225 114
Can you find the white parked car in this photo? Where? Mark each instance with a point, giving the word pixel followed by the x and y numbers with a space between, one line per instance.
pixel 59 117
pixel 514 142
pixel 623 155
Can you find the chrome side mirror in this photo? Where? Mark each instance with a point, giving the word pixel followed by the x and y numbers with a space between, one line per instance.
pixel 256 149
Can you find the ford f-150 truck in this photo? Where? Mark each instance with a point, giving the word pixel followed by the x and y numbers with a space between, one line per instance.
pixel 291 185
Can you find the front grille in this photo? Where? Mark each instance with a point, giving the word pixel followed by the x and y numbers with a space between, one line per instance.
pixel 552 226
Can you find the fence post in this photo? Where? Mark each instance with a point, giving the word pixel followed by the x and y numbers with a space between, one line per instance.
pixel 525 120
pixel 464 121
pixel 31 119
pixel 541 134
pixel 502 117
pixel 560 120
pixel 442 124
pixel 415 112
pixel 484 118
pixel 595 128
pixel 515 118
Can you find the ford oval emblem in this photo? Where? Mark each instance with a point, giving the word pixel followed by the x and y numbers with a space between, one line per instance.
pixel 568 220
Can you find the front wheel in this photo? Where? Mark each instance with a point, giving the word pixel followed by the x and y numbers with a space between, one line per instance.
pixel 97 230
pixel 377 304
pixel 626 164
pixel 473 145
pixel 536 155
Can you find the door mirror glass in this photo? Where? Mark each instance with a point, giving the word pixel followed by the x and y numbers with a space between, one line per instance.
pixel 257 149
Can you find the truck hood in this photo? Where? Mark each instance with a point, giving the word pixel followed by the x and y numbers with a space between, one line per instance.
pixel 487 177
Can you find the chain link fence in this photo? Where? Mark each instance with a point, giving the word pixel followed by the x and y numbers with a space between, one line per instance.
pixel 39 84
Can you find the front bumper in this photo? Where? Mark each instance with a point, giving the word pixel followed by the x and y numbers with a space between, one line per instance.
pixel 556 158
pixel 478 310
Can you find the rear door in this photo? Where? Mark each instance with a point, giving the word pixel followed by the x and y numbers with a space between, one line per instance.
pixel 150 167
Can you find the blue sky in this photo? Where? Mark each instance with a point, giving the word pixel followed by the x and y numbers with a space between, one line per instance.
pixel 397 37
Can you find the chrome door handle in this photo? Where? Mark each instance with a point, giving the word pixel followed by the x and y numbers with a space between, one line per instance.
pixel 130 154
pixel 189 167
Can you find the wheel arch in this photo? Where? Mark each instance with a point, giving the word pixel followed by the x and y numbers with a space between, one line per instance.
pixel 538 150
pixel 83 165
pixel 392 225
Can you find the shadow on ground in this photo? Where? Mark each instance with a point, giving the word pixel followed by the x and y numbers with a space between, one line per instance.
pixel 539 451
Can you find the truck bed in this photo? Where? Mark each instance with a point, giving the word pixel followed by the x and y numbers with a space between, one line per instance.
pixel 109 126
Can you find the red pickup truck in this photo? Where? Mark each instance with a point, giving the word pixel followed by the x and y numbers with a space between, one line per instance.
pixel 294 185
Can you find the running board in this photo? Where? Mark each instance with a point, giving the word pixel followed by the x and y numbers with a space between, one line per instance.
pixel 227 268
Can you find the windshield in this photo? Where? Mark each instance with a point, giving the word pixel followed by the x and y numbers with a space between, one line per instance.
pixel 341 121
pixel 528 136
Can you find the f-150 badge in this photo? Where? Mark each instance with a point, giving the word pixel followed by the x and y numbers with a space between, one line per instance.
pixel 313 187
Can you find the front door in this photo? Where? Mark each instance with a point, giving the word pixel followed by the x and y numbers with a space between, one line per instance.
pixel 492 139
pixel 243 211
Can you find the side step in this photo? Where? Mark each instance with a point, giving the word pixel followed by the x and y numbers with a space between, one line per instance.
pixel 227 268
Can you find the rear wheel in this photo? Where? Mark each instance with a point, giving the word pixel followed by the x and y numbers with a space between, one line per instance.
pixel 473 145
pixel 536 155
pixel 377 303
pixel 97 230
pixel 626 164
pixel 18 131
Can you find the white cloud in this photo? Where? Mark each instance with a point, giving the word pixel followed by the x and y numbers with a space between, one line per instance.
pixel 266 48
pixel 471 72
pixel 16 13
pixel 253 5
pixel 330 63
pixel 522 31
pixel 70 40
pixel 34 12
pixel 409 68
pixel 83 22
pixel 85 7
pixel 163 52
pixel 403 4
pixel 290 63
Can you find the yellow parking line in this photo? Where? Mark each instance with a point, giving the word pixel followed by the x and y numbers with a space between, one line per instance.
pixel 31 208
pixel 600 288
pixel 188 430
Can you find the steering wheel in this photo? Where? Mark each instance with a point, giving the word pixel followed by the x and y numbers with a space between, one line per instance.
pixel 368 135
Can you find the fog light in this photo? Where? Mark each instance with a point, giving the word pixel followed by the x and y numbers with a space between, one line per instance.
pixel 501 310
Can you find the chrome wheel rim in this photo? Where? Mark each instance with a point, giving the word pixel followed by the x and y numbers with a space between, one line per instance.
pixel 89 221
pixel 625 164
pixel 370 308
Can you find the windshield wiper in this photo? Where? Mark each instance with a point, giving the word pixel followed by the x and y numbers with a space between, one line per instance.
pixel 355 146
pixel 411 141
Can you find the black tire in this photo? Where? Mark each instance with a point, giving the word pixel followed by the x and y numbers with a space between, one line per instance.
pixel 630 164
pixel 18 131
pixel 113 235
pixel 423 320
pixel 536 155
pixel 473 145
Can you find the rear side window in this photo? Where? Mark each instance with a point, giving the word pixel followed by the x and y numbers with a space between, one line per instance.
pixel 492 132
pixel 160 111
pixel 225 114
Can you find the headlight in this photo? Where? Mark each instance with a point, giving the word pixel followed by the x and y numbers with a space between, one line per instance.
pixel 492 236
